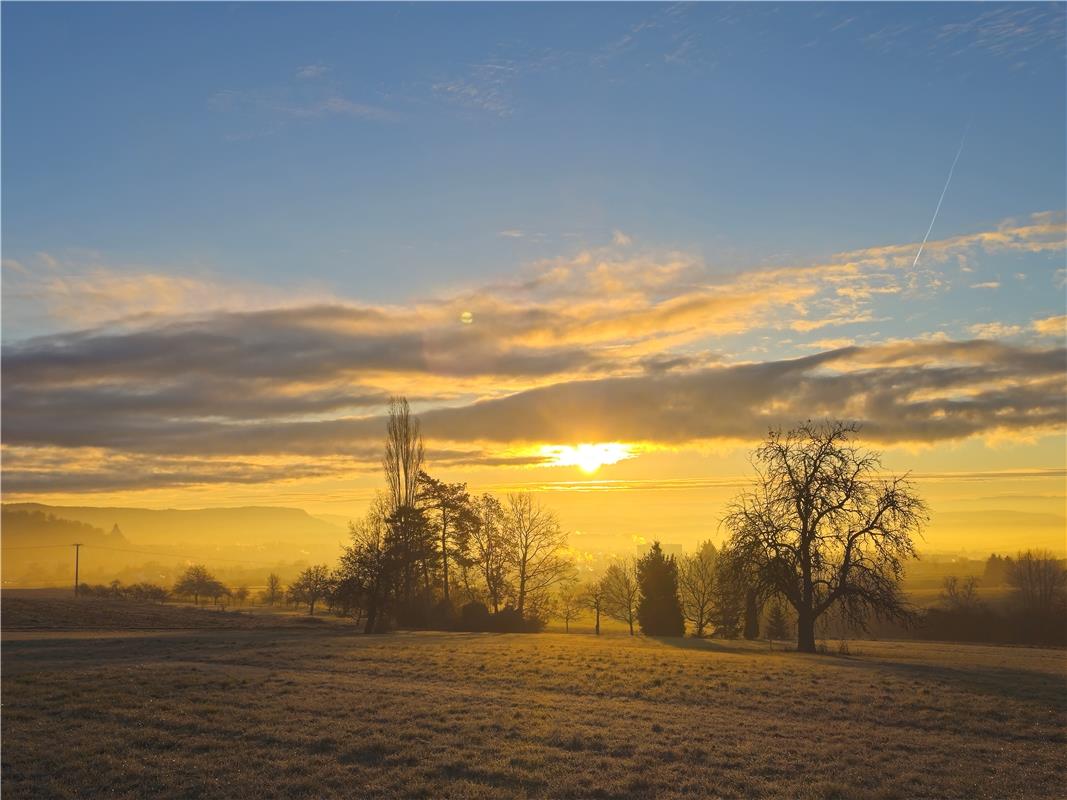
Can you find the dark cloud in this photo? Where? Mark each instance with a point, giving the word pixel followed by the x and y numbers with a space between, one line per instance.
pixel 924 391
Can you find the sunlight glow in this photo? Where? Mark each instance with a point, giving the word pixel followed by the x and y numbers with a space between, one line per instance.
pixel 588 457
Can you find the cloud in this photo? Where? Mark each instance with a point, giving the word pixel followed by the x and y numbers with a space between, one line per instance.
pixel 310 71
pixel 485 87
pixel 266 110
pixel 1051 326
pixel 986 285
pixel 994 330
pixel 903 392
pixel 597 346
pixel 620 239
pixel 512 233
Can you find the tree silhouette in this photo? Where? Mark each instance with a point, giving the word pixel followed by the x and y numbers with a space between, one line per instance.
pixel 535 551
pixel 752 612
pixel 196 581
pixel 402 459
pixel 1039 583
pixel 696 586
pixel 489 551
pixel 273 593
pixel 659 610
pixel 311 586
pixel 777 622
pixel 593 599
pixel 568 603
pixel 728 603
pixel 453 517
pixel 621 592
pixel 822 527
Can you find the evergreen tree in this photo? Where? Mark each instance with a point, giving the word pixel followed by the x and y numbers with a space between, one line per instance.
pixel 777 622
pixel 659 611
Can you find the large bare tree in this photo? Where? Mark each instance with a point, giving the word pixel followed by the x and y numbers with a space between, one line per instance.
pixel 536 546
pixel 823 526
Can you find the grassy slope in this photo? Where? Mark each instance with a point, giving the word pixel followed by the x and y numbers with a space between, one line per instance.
pixel 293 712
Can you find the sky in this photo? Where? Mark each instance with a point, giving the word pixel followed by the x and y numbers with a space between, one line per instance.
pixel 232 231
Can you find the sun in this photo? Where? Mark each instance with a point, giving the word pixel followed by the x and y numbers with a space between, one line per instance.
pixel 587 457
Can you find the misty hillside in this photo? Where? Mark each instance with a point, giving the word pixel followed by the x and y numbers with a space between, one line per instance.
pixel 248 526
pixel 26 527
pixel 241 545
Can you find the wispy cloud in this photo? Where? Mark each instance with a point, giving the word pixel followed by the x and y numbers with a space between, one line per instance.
pixel 311 71
pixel 484 87
pixel 995 330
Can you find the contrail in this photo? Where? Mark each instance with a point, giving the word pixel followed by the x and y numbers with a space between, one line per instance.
pixel 941 199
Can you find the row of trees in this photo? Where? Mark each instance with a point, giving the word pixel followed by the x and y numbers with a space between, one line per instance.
pixel 1033 612
pixel 427 548
pixel 823 533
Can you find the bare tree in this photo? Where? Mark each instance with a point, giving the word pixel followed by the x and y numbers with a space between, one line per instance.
pixel 273 593
pixel 568 603
pixel 822 527
pixel 240 594
pixel 696 585
pixel 312 585
pixel 536 548
pixel 593 599
pixel 367 569
pixel 1040 582
pixel 402 460
pixel 622 592
pixel 489 549
pixel 960 596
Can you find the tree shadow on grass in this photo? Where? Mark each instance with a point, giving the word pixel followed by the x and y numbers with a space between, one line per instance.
pixel 731 646
pixel 1030 686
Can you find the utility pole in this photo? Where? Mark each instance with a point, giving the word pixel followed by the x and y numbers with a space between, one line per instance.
pixel 77 553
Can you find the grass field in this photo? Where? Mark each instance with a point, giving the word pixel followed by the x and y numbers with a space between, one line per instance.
pixel 321 711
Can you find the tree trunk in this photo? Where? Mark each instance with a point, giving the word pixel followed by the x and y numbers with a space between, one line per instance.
pixel 444 552
pixel 805 631
pixel 598 622
pixel 631 627
pixel 372 617
pixel 751 615
pixel 311 608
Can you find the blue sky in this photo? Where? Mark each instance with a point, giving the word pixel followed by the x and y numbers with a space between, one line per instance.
pixel 185 135
pixel 231 232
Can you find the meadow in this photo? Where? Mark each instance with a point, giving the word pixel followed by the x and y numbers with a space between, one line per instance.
pixel 289 710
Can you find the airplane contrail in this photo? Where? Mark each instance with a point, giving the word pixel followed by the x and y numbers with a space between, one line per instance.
pixel 941 199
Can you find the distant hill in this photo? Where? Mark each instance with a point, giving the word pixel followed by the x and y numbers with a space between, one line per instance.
pixel 250 525
pixel 240 545
pixel 34 527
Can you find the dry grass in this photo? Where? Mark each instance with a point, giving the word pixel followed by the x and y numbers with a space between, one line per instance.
pixel 324 712
pixel 22 612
